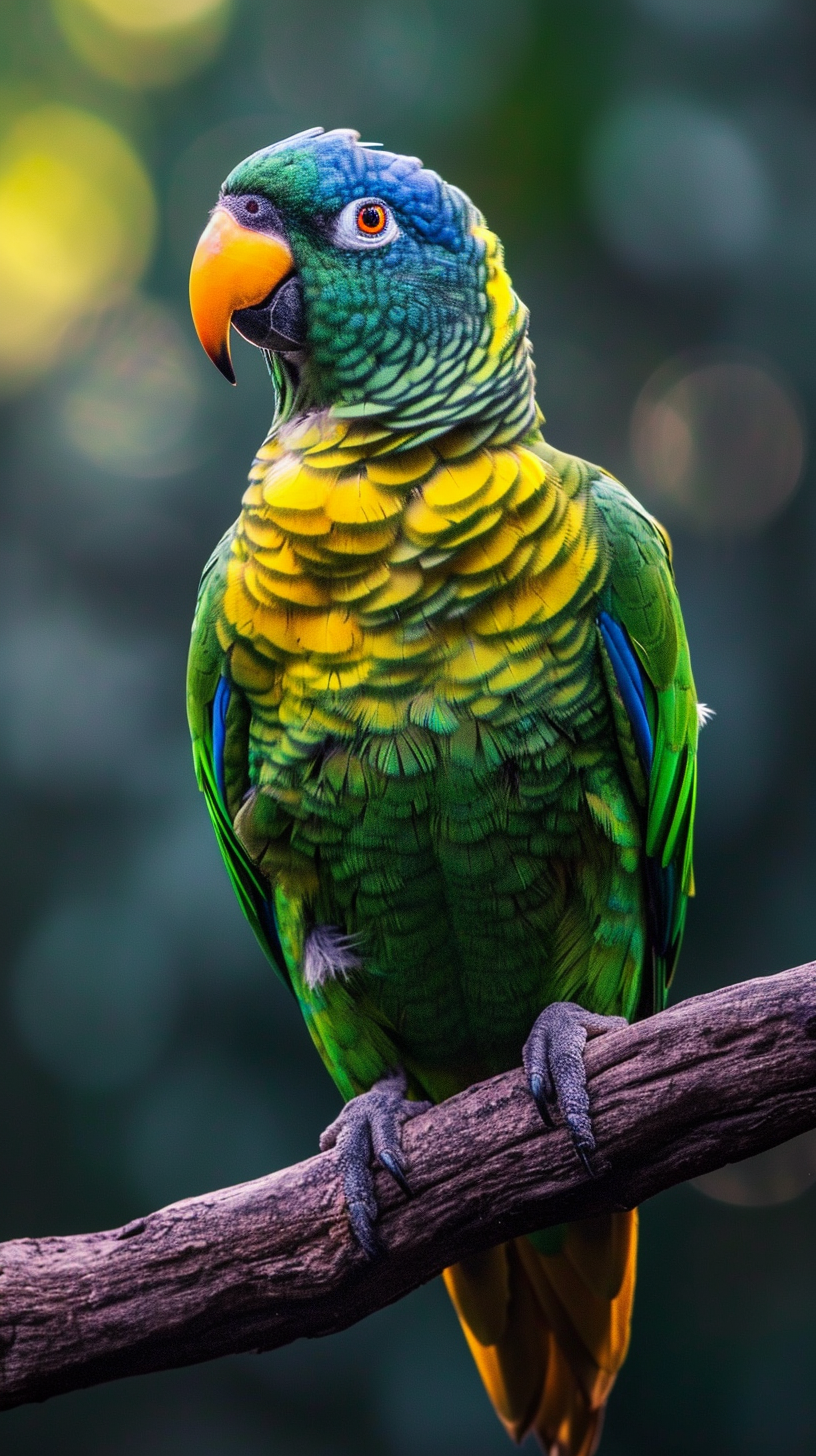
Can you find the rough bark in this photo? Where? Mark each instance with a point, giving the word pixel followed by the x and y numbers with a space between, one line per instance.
pixel 711 1081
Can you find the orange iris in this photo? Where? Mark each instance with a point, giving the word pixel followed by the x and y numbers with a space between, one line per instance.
pixel 371 218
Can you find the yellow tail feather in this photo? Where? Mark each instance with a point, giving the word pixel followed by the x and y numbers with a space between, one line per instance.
pixel 549 1332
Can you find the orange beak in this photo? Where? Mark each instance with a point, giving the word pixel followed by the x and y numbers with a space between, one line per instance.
pixel 233 267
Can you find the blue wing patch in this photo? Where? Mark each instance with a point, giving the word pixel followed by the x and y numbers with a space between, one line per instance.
pixel 630 682
pixel 220 705
pixel 661 883
pixel 247 882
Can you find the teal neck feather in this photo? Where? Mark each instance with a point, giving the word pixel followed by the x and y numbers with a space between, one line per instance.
pixel 480 372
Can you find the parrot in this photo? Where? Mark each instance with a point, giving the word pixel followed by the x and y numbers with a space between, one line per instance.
pixel 443 717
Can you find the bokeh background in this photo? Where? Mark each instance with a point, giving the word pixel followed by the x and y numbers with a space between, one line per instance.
pixel 651 165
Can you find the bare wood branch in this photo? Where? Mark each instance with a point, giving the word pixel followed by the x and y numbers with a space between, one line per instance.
pixel 713 1080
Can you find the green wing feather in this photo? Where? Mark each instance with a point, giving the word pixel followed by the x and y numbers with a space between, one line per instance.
pixel 349 1033
pixel 204 670
pixel 641 596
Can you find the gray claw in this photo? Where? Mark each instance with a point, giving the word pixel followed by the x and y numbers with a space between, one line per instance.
pixel 554 1062
pixel 369 1128
pixel 362 1226
pixel 393 1166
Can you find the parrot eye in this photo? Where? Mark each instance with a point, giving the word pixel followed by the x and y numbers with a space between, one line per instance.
pixel 365 223
pixel 372 219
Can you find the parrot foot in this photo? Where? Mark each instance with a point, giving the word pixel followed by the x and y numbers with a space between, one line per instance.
pixel 369 1128
pixel 553 1059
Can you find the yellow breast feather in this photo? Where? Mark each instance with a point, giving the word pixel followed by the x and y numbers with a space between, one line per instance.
pixel 364 578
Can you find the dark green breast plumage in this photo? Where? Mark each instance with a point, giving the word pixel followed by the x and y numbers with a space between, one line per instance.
pixel 439 685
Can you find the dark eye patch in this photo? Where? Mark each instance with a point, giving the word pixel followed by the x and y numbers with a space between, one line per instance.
pixel 252 210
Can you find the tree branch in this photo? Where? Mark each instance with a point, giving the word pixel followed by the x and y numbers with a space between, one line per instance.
pixel 713 1080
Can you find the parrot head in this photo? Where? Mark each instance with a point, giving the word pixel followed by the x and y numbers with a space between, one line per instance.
pixel 376 282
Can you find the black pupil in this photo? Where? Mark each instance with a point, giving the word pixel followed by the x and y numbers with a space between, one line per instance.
pixel 253 206
pixel 372 217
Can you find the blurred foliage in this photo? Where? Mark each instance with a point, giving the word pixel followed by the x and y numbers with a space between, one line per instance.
pixel 651 165
pixel 522 158
pixel 77 222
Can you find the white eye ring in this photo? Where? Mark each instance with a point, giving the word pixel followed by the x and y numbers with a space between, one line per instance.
pixel 348 232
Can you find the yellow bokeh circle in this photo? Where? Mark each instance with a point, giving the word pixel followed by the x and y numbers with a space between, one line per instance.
pixel 77 224
pixel 152 17
pixel 144 43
